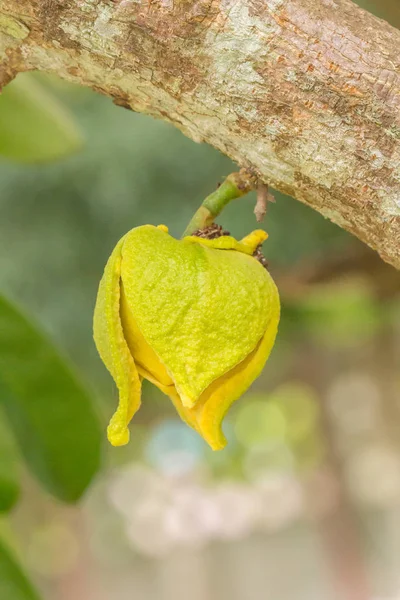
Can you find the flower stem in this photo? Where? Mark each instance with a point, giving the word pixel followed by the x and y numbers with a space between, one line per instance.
pixel 234 186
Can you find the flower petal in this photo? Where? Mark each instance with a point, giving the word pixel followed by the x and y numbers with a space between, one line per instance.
pixel 220 395
pixel 202 310
pixel 148 364
pixel 113 349
pixel 143 355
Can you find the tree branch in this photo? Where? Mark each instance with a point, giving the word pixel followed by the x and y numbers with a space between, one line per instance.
pixel 305 93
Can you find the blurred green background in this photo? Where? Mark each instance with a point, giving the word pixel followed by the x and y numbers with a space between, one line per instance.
pixel 305 501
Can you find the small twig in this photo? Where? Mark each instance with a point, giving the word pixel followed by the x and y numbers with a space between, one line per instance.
pixel 234 186
pixel 263 197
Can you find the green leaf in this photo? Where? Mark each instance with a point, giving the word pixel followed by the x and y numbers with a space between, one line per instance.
pixel 34 125
pixel 9 484
pixel 14 585
pixel 52 415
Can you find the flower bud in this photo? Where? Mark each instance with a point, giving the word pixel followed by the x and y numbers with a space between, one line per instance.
pixel 197 317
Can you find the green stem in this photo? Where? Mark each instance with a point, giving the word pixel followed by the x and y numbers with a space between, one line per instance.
pixel 234 186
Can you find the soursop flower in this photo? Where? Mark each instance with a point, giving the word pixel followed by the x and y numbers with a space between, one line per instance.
pixel 197 317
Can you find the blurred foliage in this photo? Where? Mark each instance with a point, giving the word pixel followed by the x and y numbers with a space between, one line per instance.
pixel 13 583
pixel 9 471
pixel 51 413
pixel 385 9
pixel 34 125
pixel 336 314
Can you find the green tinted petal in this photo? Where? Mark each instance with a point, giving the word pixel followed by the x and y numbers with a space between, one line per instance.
pixel 207 416
pixel 202 310
pixel 113 349
pixel 215 402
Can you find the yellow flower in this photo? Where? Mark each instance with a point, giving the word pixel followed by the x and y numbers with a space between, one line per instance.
pixel 196 317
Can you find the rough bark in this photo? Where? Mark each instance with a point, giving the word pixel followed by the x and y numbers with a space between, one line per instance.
pixel 306 92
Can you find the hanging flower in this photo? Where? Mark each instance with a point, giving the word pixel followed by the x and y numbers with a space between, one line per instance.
pixel 197 317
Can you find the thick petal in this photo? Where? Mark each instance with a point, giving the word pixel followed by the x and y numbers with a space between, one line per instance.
pixel 207 416
pixel 143 355
pixel 149 365
pixel 202 310
pixel 113 349
pixel 217 399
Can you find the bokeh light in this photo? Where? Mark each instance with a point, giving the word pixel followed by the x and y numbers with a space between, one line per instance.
pixel 43 550
pixel 174 448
